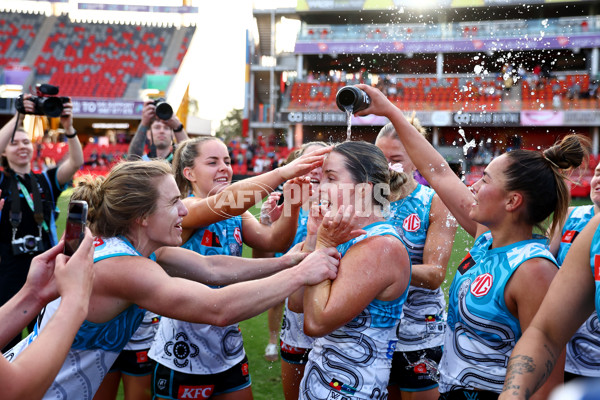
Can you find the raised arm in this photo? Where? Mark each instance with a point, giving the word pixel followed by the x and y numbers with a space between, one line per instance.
pixel 74 161
pixel 453 192
pixel 51 274
pixel 240 196
pixel 138 142
pixel 567 304
pixel 438 248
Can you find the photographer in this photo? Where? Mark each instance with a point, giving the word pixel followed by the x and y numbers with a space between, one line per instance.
pixel 157 132
pixel 31 230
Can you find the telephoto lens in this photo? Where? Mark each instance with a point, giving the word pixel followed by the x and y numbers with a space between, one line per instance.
pixel 352 98
pixel 164 110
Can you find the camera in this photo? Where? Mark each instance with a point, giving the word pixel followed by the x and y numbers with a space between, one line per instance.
pixel 163 110
pixel 28 244
pixel 46 101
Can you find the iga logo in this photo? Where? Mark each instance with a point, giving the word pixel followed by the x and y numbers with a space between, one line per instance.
pixel 412 223
pixel 195 392
pixel 482 285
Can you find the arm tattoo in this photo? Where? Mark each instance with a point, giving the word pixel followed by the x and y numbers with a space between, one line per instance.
pixel 518 365
pixel 136 147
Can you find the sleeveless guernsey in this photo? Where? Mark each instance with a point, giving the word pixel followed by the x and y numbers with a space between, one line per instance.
pixel 583 350
pixel 202 349
pixel 423 321
pixel 482 332
pixel 96 346
pixel 354 361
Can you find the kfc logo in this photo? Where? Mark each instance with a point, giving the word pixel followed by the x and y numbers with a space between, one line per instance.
pixel 195 392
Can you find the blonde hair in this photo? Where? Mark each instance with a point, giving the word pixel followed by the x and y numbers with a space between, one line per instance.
pixel 127 193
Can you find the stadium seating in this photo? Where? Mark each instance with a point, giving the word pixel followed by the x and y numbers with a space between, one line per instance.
pixel 17 33
pixel 100 60
pixel 456 93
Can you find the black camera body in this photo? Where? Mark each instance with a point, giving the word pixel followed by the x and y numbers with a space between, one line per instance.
pixel 164 111
pixel 28 244
pixel 47 102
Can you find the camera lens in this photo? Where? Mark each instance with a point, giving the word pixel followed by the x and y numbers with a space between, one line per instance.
pixel 51 106
pixel 164 111
pixel 29 242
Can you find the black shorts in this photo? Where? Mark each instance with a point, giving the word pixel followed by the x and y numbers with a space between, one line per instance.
pixel 294 355
pixel 415 378
pixel 133 362
pixel 179 385
pixel 469 395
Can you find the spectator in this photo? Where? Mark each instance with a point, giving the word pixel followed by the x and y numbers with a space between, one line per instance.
pixel 157 133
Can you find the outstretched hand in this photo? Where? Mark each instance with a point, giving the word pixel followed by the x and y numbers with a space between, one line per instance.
pixel 74 275
pixel 380 105
pixel 270 211
pixel 304 164
pixel 52 274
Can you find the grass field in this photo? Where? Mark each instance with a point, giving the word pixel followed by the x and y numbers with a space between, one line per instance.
pixel 266 376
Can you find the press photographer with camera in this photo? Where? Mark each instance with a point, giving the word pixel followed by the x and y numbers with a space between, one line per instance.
pixel 158 128
pixel 27 221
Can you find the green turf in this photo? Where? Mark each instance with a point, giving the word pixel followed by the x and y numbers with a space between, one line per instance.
pixel 266 376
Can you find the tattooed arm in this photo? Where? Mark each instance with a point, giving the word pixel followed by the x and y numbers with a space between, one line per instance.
pixel 568 303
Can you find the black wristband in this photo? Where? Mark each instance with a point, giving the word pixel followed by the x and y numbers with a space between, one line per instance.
pixel 71 136
pixel 179 128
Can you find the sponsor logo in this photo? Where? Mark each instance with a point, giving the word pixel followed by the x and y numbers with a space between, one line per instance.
pixel 245 370
pixel 142 356
pixel 597 267
pixel 569 236
pixel 412 223
pixel 482 285
pixel 466 263
pixel 237 234
pixel 195 392
pixel 336 396
pixel 98 241
pixel 162 383
pixel 210 239
pixel 420 369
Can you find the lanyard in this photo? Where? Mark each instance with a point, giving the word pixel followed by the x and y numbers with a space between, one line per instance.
pixel 35 205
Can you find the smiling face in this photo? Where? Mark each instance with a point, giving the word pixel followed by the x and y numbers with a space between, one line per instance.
pixel 337 186
pixel 163 226
pixel 490 193
pixel 211 172
pixel 595 186
pixel 19 152
pixel 395 152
